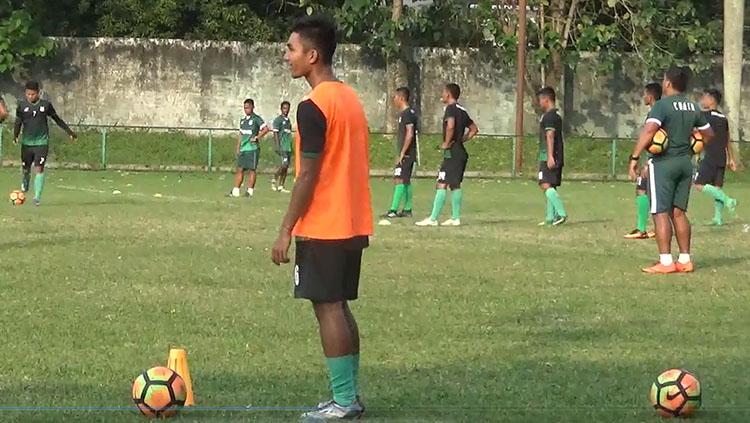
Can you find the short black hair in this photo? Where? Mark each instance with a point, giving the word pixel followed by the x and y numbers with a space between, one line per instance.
pixel 454 89
pixel 404 92
pixel 249 101
pixel 285 103
pixel 678 76
pixel 654 88
pixel 320 31
pixel 548 92
pixel 713 92
pixel 32 85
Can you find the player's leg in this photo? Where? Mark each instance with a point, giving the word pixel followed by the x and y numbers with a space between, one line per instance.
pixel 327 273
pixel 285 160
pixel 399 190
pixel 705 183
pixel 457 194
pixel 40 159
pixel 662 187
pixel 549 180
pixel 354 329
pixel 406 175
pixel 243 164
pixel 561 216
pixel 251 174
pixel 440 194
pixel 641 208
pixel 27 159
pixel 680 220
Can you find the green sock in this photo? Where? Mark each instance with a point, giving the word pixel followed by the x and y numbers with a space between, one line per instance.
pixel 409 197
pixel 398 194
pixel 642 204
pixel 716 193
pixel 718 208
pixel 355 373
pixel 26 180
pixel 553 198
pixel 549 216
pixel 38 185
pixel 341 374
pixel 457 196
pixel 437 206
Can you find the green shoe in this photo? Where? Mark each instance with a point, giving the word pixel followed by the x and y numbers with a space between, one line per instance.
pixel 732 206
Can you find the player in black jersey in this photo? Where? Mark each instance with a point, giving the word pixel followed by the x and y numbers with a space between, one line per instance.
pixel 458 128
pixel 406 155
pixel 717 156
pixel 31 116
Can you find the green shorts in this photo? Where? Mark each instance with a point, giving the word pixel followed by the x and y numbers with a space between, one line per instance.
pixel 669 183
pixel 248 160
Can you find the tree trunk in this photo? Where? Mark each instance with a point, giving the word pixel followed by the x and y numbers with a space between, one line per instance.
pixel 396 74
pixel 734 15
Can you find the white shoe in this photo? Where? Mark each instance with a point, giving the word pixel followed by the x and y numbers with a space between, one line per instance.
pixel 427 222
pixel 283 190
pixel 451 222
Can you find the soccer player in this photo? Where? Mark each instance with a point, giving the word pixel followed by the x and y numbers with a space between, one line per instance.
pixel 31 116
pixel 282 134
pixel 458 128
pixel 717 156
pixel 651 94
pixel 252 130
pixel 3 110
pixel 330 211
pixel 670 173
pixel 551 157
pixel 406 145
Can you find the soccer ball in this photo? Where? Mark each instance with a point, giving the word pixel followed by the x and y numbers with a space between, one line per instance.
pixel 696 141
pixel 676 393
pixel 159 392
pixel 659 142
pixel 17 198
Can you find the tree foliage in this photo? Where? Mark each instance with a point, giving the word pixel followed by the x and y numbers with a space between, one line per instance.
pixel 19 39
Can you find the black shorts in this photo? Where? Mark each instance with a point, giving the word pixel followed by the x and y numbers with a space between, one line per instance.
pixel 553 177
pixel 709 174
pixel 36 155
pixel 404 170
pixel 327 271
pixel 452 171
pixel 641 183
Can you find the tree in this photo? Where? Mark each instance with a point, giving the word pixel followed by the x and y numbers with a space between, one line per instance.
pixel 733 28
pixel 20 41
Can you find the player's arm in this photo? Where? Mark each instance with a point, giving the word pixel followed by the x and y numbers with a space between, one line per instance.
pixel 731 164
pixel 17 125
pixel 644 139
pixel 3 111
pixel 276 129
pixel 239 142
pixel 263 131
pixel 408 140
pixel 61 123
pixel 450 128
pixel 311 124
pixel 472 132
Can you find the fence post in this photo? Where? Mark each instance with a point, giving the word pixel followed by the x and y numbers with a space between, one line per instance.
pixel 513 159
pixel 613 165
pixel 210 149
pixel 104 148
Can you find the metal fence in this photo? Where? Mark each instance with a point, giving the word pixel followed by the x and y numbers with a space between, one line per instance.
pixel 212 148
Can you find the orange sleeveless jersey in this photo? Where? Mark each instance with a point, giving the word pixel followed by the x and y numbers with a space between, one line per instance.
pixel 341 203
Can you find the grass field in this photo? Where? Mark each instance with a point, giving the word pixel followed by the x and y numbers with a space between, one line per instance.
pixel 497 320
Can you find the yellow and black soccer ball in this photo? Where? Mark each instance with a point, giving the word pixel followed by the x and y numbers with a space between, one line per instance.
pixel 696 141
pixel 659 142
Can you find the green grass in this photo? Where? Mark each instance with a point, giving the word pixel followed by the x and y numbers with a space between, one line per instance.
pixel 155 147
pixel 497 320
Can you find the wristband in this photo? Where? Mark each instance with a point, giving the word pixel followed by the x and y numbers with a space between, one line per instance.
pixel 634 158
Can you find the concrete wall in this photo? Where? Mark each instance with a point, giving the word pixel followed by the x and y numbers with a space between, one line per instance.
pixel 203 84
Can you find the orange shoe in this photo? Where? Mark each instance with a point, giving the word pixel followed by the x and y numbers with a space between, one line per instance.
pixel 684 268
pixel 660 268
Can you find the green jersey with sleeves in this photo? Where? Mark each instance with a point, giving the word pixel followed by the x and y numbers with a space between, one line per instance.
pixel 678 116
pixel 250 127
pixel 282 126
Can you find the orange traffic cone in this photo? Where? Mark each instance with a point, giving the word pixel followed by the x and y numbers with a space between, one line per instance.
pixel 177 361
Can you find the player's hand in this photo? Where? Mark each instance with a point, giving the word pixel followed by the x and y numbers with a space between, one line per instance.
pixel 400 159
pixel 633 170
pixel 15 141
pixel 280 251
pixel 732 165
pixel 551 163
pixel 73 137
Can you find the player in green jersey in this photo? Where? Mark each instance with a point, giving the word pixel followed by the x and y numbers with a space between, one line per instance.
pixel 717 156
pixel 31 126
pixel 252 129
pixel 671 172
pixel 551 158
pixel 651 94
pixel 282 134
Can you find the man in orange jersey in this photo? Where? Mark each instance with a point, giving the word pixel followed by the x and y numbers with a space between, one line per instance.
pixel 330 212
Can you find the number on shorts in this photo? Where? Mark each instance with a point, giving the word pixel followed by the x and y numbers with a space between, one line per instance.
pixel 541 175
pixel 41 161
pixel 441 176
pixel 397 171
